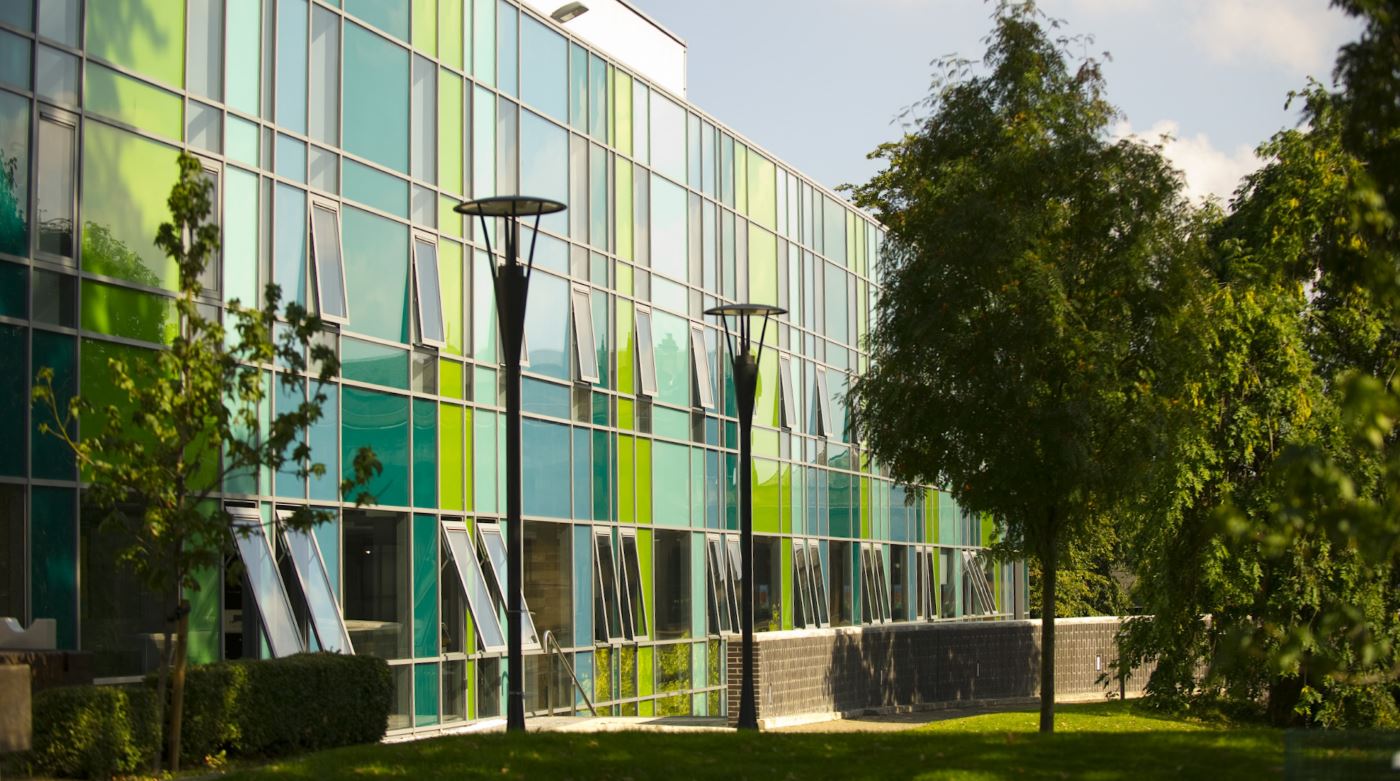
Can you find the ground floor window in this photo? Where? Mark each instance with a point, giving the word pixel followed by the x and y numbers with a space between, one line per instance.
pixel 768 584
pixel 378 614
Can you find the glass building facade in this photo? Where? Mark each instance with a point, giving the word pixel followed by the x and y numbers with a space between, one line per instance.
pixel 340 134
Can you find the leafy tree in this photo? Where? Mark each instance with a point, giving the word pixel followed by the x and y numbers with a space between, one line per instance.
pixel 190 419
pixel 1030 265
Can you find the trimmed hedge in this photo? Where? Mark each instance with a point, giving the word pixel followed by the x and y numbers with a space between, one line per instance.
pixel 93 731
pixel 255 708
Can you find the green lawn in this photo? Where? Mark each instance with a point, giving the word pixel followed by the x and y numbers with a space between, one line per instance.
pixel 1099 741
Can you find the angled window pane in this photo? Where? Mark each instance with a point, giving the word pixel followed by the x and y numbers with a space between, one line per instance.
pixel 321 603
pixel 704 393
pixel 736 579
pixel 802 605
pixel 824 421
pixel 714 594
pixel 790 408
pixel 633 579
pixel 495 545
pixel 269 594
pixel 479 602
pixel 722 586
pixel 57 149
pixel 882 584
pixel 586 359
pixel 814 561
pixel 867 587
pixel 606 621
pixel 645 356
pixel 425 268
pixel 330 271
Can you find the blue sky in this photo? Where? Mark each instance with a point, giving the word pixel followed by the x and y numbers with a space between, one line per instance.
pixel 818 83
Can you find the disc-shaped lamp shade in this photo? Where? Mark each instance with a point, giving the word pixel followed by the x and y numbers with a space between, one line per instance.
pixel 509 206
pixel 746 310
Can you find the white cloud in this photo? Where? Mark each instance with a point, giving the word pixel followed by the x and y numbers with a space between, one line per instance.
pixel 1295 34
pixel 1208 171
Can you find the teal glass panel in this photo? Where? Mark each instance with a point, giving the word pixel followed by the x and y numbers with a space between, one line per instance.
pixel 373 363
pixel 52 459
pixel 670 484
pixel 507 37
pixel 713 495
pixel 375 188
pixel 14 60
pixel 731 496
pixel 14 290
pixel 322 437
pixel 483 27
pixel 289 250
pixel 671 347
pixel 291 158
pixel 425 588
pixel 602 474
pixel 483 310
pixel 425 694
pixel 391 16
pixel 244 52
pixel 547 326
pixel 328 538
pixel 376 98
pixel 483 386
pixel 19 14
pixel 583 474
pixel 583 585
pixel 14 180
pixel 242 140
pixel 291 64
pixel 376 274
pixel 379 420
pixel 53 561
pixel 484 461
pixel 670 423
pixel 544 470
pixel 538 397
pixel 240 236
pixel 14 399
pixel 286 398
pixel 840 490
pixel 578 88
pixel 425 445
pixel 544 72
pixel 545 170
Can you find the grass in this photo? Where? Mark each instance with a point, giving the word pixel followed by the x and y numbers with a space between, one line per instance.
pixel 1097 741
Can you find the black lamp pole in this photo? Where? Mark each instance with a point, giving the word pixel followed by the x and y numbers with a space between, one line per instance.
pixel 744 360
pixel 512 282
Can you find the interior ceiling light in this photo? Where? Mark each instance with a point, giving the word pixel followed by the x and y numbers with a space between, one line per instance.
pixel 568 12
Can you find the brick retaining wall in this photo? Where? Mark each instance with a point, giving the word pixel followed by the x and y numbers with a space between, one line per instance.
pixel 850 670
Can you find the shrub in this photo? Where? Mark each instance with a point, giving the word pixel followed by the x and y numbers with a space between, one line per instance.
pixel 93 731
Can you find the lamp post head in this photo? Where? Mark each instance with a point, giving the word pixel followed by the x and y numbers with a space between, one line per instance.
pixel 509 206
pixel 743 316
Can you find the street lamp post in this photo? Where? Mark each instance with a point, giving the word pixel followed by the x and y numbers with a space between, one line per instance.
pixel 512 282
pixel 745 363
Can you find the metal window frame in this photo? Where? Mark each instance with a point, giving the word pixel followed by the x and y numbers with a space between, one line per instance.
pixel 585 359
pixel 326 636
pixel 480 615
pixel 636 595
pixel 612 618
pixel 251 519
pixel 819 593
pixel 721 585
pixel 824 418
pixel 646 357
pixel 788 405
pixel 332 209
pixel 425 239
pixel 530 638
pixel 700 363
pixel 57 116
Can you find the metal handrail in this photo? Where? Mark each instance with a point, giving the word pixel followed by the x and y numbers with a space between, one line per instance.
pixel 558 652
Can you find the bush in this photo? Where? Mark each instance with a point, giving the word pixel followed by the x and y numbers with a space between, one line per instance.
pixel 284 706
pixel 93 731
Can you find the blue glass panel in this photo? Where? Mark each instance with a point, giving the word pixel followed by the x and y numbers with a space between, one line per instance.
pixel 328 538
pixel 425 592
pixel 376 274
pixel 424 453
pixel 583 475
pixel 379 420
pixel 322 438
pixel 507 22
pixel 376 97
pixel 583 587
pixel 291 65
pixel 286 482
pixel 289 244
pixel 53 568
pixel 547 326
pixel 373 363
pixel 291 158
pixel 544 398
pixel 544 71
pixel 545 468
pixel 391 16
pixel 544 171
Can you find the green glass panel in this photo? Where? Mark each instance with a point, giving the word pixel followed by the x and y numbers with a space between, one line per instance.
pixel 450 143
pixel 763 191
pixel 765 495
pixel 622 108
pixel 484 41
pixel 425 581
pixel 425 448
pixel 132 314
pixel 425 22
pixel 449 222
pixel 644 492
pixel 323 438
pixel 378 364
pixel 375 188
pixel 146 36
pixel 626 338
pixel 52 458
pixel 379 420
pixel 391 16
pixel 484 461
pixel 622 209
pixel 244 55
pixel 53 561
pixel 626 495
pixel 450 379
pixel 376 274
pixel 14 182
pixel 126 179
pixel 205 636
pixel 14 290
pixel 376 98
pixel 670 469
pixel 450 32
pixel 14 398
pixel 450 467
pixel 425 694
pixel 602 472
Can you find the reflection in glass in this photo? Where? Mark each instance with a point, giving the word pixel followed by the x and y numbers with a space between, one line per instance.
pixel 474 586
pixel 671 579
pixel 376 588
pixel 14 173
pixel 316 588
pixel 549 578
pixel 429 293
pixel 632 587
pixel 269 594
pixel 606 620
pixel 56 76
pixel 55 197
pixel 495 546
pixel 330 275
pixel 646 358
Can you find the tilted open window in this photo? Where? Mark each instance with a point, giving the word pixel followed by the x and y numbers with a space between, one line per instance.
pixel 322 606
pixel 429 292
pixel 585 359
pixel 607 619
pixel 814 563
pixel 274 609
pixel 736 576
pixel 804 612
pixel 982 600
pixel 479 598
pixel 328 264
pixel 646 357
pixel 634 608
pixel 791 410
pixel 704 391
pixel 721 599
pixel 875 595
pixel 494 560
pixel 825 423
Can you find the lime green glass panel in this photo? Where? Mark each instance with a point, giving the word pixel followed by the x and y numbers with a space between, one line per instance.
pixel 626 335
pixel 96 386
pixel 765 495
pixel 204 637
pixel 450 32
pixel 741 178
pixel 644 492
pixel 670 469
pixel 53 562
pixel 450 471
pixel 376 98
pixel 450 144
pixel 425 580
pixel 146 36
pixel 379 420
pixel 450 379
pixel 785 497
pixel 449 221
pixel 376 274
pixel 126 179
pixel 626 496
pixel 786 568
pixel 763 191
pixel 622 103
pixel 644 563
pixel 865 507
pixel 622 209
pixel 132 314
pixel 450 281
pixel 425 22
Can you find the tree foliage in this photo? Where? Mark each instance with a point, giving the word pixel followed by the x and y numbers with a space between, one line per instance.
pixel 190 418
pixel 1030 266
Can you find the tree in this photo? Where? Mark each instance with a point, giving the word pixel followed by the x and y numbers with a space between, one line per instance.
pixel 190 420
pixel 1030 262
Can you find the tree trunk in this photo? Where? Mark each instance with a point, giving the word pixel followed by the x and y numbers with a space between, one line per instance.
pixel 162 681
pixel 177 684
pixel 1047 630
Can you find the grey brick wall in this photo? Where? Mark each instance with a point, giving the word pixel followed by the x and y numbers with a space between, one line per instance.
pixel 852 669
